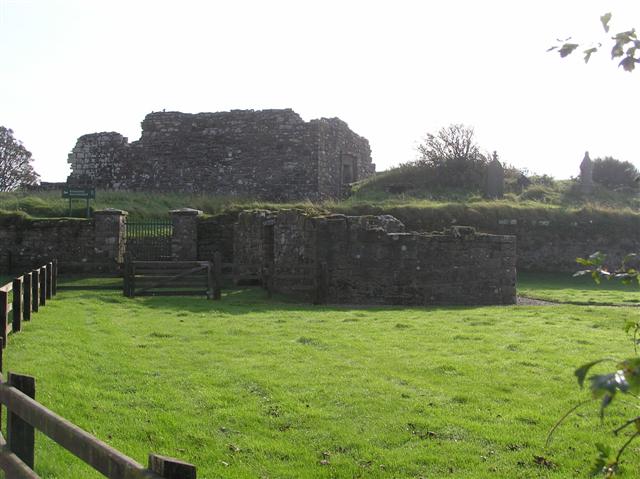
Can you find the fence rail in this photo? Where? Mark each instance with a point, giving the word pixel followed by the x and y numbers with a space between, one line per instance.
pixel 26 415
pixel 24 295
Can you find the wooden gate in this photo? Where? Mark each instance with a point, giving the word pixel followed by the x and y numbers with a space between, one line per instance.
pixel 172 278
pixel 149 240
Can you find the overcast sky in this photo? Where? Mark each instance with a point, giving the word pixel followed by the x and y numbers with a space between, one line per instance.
pixel 392 70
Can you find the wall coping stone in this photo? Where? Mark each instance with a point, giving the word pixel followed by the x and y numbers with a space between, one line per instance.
pixel 111 211
pixel 186 212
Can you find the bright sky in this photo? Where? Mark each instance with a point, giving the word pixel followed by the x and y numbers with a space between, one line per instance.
pixel 392 70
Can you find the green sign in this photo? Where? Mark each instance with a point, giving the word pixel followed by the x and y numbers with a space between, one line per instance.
pixel 81 193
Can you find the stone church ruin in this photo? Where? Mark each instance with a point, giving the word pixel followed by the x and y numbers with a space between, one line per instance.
pixel 265 154
pixel 342 259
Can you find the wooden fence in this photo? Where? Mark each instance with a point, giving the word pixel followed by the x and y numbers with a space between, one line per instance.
pixel 173 278
pixel 24 295
pixel 25 415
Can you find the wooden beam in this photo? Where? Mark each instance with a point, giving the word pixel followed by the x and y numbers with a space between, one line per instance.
pixel 100 456
pixel 12 465
pixel 170 468
pixel 35 290
pixel 20 434
pixel 43 286
pixel 4 316
pixel 17 304
pixel 26 303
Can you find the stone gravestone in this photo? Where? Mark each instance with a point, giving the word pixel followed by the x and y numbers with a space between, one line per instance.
pixel 586 173
pixel 494 185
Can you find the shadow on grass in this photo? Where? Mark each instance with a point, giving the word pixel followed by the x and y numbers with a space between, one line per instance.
pixel 242 301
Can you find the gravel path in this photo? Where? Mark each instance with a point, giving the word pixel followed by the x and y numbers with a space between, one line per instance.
pixel 522 301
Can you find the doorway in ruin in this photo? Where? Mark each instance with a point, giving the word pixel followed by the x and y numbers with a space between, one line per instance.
pixel 348 169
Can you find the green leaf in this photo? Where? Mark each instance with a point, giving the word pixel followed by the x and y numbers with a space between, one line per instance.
pixel 629 324
pixel 582 371
pixel 588 53
pixel 567 49
pixel 605 19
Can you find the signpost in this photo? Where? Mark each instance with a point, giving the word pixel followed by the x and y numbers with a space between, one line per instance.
pixel 79 193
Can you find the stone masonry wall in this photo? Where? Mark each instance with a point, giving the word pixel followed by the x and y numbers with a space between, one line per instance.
pixel 88 246
pixel 268 154
pixel 249 245
pixel 547 240
pixel 215 234
pixel 371 266
pixel 32 243
pixel 370 260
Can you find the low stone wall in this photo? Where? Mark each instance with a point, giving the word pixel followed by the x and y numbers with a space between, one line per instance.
pixel 28 244
pixel 370 260
pixel 548 240
pixel 80 245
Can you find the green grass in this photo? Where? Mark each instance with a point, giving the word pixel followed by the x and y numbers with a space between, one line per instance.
pixel 250 387
pixel 576 290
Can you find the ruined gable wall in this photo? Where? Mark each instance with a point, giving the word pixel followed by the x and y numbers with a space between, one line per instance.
pixel 340 148
pixel 97 160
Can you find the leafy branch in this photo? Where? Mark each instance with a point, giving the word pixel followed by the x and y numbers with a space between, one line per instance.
pixel 626 46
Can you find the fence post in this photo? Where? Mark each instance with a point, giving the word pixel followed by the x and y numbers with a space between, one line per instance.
pixel 35 289
pixel 4 316
pixel 43 286
pixel 170 468
pixel 49 270
pixel 217 275
pixel 54 278
pixel 26 292
pixel 20 434
pixel 17 305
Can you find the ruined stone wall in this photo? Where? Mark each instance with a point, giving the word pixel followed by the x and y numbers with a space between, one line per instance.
pixel 98 159
pixel 548 240
pixel 343 157
pixel 370 260
pixel 269 154
pixel 371 266
pixel 249 245
pixel 80 245
pixel 215 234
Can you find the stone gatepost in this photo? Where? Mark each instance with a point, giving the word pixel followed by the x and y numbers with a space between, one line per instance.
pixel 110 233
pixel 184 242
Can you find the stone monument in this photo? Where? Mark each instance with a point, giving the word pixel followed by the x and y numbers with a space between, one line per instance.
pixel 494 185
pixel 586 174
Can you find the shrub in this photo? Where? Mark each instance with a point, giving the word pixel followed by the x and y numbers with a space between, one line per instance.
pixel 614 173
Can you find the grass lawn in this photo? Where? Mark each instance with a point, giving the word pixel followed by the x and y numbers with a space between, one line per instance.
pixel 250 387
pixel 579 290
